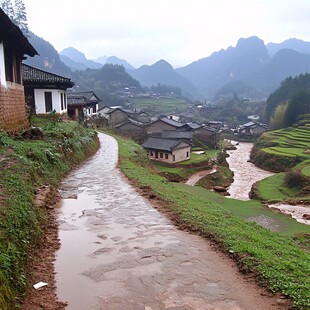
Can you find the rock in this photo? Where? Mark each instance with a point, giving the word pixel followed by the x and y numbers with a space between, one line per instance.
pixel 33 133
pixel 219 188
pixel 306 216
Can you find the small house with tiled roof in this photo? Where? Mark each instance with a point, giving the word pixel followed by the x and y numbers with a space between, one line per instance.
pixel 45 92
pixel 167 150
pixel 82 104
pixel 254 129
pixel 13 48
pixel 164 123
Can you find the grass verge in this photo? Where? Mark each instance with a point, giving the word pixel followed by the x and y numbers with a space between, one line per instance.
pixel 26 164
pixel 274 257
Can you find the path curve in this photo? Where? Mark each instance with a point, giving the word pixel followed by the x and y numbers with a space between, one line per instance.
pixel 193 179
pixel 118 252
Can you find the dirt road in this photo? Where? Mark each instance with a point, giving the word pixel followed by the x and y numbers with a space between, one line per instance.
pixel 118 252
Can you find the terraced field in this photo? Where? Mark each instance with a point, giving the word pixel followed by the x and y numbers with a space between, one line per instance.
pixel 289 142
pixel 285 148
pixel 160 106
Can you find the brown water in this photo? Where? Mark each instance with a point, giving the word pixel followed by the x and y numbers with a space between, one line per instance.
pixel 246 174
pixel 118 252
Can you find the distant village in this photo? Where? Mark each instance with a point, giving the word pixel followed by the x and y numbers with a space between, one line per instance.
pixel 164 137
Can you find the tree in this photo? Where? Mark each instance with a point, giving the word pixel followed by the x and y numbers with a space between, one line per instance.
pixel 20 16
pixel 277 121
pixel 8 9
pixel 298 105
pixel 16 13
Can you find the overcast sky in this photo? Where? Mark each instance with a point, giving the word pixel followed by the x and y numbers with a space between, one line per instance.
pixel 179 31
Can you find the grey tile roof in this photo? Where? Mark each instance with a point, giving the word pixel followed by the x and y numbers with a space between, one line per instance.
pixel 194 125
pixel 172 122
pixel 160 144
pixel 174 134
pixel 77 99
pixel 87 94
pixel 129 121
pixel 34 76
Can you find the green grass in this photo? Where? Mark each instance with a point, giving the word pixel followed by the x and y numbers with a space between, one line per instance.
pixel 160 106
pixel 276 258
pixel 24 166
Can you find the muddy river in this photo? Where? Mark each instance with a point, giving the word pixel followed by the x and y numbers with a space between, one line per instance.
pixel 118 252
pixel 246 174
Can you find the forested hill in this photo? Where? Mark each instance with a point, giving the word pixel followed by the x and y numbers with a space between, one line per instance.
pixel 48 58
pixel 107 82
pixel 289 102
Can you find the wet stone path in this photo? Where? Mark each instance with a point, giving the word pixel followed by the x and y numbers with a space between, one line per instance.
pixel 118 252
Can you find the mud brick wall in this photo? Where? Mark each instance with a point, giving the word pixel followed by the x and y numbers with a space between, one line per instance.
pixel 13 115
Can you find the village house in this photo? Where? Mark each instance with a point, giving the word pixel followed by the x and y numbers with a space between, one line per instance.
pixel 130 127
pixel 167 150
pixel 207 136
pixel 253 129
pixel 82 104
pixel 120 115
pixel 45 92
pixel 13 47
pixel 164 123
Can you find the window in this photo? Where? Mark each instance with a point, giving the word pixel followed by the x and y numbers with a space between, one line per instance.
pixel 187 154
pixel 151 153
pixel 12 67
pixel 95 108
pixel 161 155
pixel 48 101
pixel 173 157
pixel 166 156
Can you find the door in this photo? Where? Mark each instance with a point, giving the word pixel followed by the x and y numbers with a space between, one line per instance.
pixel 48 101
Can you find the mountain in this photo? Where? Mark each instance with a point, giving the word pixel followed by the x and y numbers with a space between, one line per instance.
pixel 247 69
pixel 163 73
pixel 234 64
pixel 73 65
pixel 293 44
pixel 117 61
pixel 48 58
pixel 102 60
pixel 76 60
pixel 108 82
pixel 283 64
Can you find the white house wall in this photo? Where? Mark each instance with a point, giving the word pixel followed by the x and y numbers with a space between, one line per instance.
pixel 39 100
pixel 2 65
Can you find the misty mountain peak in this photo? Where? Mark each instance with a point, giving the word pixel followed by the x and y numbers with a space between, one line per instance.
pixel 73 54
pixel 250 44
pixel 163 65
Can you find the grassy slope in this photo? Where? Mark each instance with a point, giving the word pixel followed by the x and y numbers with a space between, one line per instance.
pixel 276 258
pixel 287 145
pixel 25 165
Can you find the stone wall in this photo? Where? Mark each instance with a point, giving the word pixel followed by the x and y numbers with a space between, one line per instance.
pixel 13 115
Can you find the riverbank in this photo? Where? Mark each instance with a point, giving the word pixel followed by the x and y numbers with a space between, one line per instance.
pixel 31 166
pixel 277 260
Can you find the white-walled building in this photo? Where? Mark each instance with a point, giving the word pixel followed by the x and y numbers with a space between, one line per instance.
pixel 45 92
